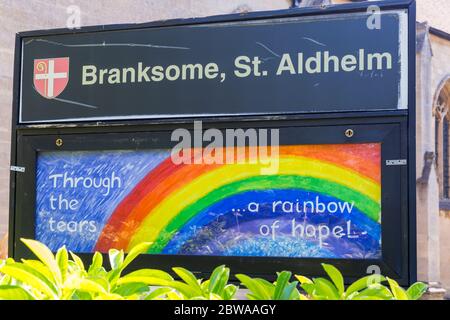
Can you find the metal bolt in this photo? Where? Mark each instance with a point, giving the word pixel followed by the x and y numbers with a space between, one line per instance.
pixel 59 142
pixel 349 133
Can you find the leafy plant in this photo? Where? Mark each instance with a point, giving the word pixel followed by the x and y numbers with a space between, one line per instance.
pixel 281 289
pixel 57 277
pixel 366 288
pixel 191 288
pixel 63 276
pixel 414 292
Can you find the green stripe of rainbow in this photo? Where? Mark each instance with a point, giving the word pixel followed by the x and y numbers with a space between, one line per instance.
pixel 363 203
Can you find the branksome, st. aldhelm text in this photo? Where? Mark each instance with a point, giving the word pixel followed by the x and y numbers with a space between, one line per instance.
pixel 244 66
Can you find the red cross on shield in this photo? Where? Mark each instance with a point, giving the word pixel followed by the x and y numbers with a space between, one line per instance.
pixel 51 76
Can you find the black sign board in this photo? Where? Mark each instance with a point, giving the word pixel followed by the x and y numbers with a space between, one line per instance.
pixel 268 66
pixel 98 111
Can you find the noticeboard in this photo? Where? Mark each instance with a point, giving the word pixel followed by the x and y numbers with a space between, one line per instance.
pixel 100 111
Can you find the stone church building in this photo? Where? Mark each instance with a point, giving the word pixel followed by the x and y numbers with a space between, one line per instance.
pixel 433 94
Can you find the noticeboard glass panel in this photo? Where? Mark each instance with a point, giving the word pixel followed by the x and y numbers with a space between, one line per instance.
pixel 323 201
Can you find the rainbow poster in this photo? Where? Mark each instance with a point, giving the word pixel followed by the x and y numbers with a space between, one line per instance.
pixel 323 201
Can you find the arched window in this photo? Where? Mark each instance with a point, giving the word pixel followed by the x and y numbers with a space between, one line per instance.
pixel 442 138
pixel 445 160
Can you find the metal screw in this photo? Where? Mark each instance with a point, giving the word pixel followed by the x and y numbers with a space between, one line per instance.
pixel 59 142
pixel 349 133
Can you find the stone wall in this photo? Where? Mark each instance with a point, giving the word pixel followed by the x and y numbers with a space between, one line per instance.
pixel 440 65
pixel 428 189
pixel 444 223
pixel 3 247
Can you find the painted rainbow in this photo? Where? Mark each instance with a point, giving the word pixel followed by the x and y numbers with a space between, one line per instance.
pixel 200 208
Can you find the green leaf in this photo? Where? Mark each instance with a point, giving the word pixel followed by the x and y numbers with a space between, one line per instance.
pixel 213 296
pixel 6 280
pixel 416 291
pixel 109 296
pixel 335 276
pixel 175 295
pixel 8 292
pixel 101 280
pixel 363 283
pixel 39 267
pixel 219 279
pixel 31 277
pixel 229 292
pixel 270 287
pixel 62 259
pixel 119 263
pixel 303 279
pixel 129 289
pixel 97 263
pixel 257 289
pixel 150 273
pixel 189 278
pixel 367 297
pixel 309 288
pixel 326 289
pixel 281 283
pixel 295 294
pixel 200 298
pixel 373 292
pixel 86 285
pixel 251 296
pixel 90 286
pixel 81 295
pixel 135 252
pixel 158 293
pixel 78 262
pixel 46 256
pixel 67 294
pixel 116 258
pixel 150 277
pixel 186 290
pixel 205 285
pixel 302 297
pixel 398 292
pixel 290 292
